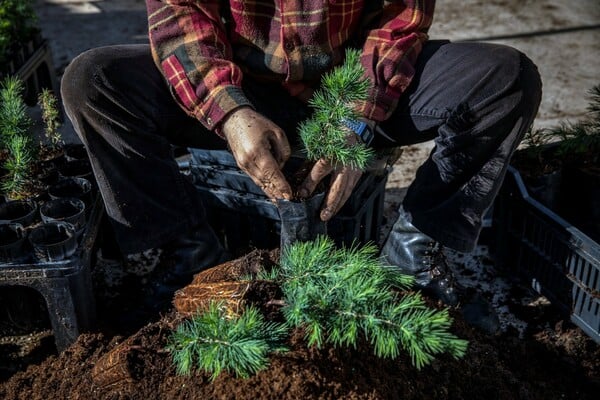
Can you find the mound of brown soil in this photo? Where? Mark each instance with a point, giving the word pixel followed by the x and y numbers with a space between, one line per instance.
pixel 553 360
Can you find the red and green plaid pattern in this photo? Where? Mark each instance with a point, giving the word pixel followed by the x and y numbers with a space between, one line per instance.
pixel 288 41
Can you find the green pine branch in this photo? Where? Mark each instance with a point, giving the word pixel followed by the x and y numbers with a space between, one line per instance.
pixel 15 138
pixel 13 110
pixel 215 342
pixel 18 23
pixel 324 135
pixel 338 296
pixel 571 138
pixel 341 295
pixel 18 166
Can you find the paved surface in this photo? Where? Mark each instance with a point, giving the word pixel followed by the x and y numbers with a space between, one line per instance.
pixel 563 38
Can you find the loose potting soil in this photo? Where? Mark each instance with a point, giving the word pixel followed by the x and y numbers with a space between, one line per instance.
pixel 553 359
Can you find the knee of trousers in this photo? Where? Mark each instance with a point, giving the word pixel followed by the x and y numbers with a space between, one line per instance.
pixel 522 79
pixel 530 85
pixel 510 85
pixel 80 85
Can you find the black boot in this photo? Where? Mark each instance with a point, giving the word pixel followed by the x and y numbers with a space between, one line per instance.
pixel 184 257
pixel 414 253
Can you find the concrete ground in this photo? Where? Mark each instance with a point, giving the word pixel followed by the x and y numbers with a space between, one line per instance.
pixel 562 38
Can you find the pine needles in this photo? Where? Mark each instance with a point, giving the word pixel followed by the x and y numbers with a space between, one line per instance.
pixel 339 297
pixel 13 111
pixel 17 165
pixel 324 135
pixel 571 138
pixel 15 138
pixel 216 343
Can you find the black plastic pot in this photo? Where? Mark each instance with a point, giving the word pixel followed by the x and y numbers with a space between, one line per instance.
pixel 22 212
pixel 68 209
pixel 53 241
pixel 76 169
pixel 580 200
pixel 300 221
pixel 79 188
pixel 12 243
pixel 53 160
pixel 48 176
pixel 546 188
pixel 75 152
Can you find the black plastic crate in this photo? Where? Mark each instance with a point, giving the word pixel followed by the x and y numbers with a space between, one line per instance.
pixel 65 285
pixel 557 259
pixel 243 216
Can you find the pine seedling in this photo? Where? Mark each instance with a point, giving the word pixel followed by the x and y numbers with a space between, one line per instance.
pixel 14 120
pixel 338 296
pixel 324 135
pixel 216 342
pixel 18 166
pixel 341 295
pixel 572 138
pixel 14 136
pixel 50 115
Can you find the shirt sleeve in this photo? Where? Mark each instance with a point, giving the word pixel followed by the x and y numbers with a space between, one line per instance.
pixel 390 52
pixel 190 47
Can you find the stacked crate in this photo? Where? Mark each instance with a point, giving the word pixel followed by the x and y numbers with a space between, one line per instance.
pixel 244 217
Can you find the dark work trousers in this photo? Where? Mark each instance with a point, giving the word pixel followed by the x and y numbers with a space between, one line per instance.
pixel 475 100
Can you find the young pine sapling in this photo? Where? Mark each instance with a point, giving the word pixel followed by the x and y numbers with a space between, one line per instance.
pixel 51 117
pixel 572 139
pixel 325 134
pixel 15 138
pixel 216 342
pixel 14 120
pixel 338 296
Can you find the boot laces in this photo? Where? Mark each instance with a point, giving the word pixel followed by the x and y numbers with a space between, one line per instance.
pixel 438 262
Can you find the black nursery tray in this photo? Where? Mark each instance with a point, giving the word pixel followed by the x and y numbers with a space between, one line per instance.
pixel 557 259
pixel 242 214
pixel 65 285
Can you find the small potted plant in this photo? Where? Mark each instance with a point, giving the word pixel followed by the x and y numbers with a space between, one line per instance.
pixel 31 176
pixel 561 168
pixel 15 138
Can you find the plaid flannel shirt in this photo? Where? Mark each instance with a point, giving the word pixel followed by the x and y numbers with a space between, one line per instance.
pixel 204 47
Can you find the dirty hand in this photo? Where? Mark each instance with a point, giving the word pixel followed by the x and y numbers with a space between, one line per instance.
pixel 343 181
pixel 260 149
